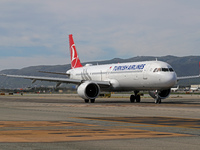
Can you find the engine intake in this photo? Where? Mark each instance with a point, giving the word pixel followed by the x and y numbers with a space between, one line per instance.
pixel 88 90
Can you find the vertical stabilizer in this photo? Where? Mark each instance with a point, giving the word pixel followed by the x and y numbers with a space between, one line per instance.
pixel 75 62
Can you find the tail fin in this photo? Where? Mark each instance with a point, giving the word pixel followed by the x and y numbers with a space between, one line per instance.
pixel 75 62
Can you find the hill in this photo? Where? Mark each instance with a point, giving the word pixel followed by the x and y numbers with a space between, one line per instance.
pixel 184 66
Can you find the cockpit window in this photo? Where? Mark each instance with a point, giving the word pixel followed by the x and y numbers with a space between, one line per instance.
pixel 163 70
pixel 155 70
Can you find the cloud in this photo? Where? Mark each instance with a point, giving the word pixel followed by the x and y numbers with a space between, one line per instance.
pixel 101 29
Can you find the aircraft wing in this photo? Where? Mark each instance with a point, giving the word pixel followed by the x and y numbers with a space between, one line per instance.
pixel 58 80
pixel 60 73
pixel 188 77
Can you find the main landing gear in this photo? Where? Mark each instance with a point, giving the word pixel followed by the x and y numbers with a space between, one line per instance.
pixel 91 100
pixel 135 97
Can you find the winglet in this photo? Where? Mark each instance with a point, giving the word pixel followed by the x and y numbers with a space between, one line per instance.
pixel 75 61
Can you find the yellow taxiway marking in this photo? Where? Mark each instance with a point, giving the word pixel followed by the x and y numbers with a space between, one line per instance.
pixel 79 135
pixel 60 131
pixel 156 121
pixel 40 124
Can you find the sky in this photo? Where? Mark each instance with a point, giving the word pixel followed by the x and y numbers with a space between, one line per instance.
pixel 36 32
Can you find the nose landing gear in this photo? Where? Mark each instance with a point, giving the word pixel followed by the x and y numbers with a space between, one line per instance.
pixel 158 100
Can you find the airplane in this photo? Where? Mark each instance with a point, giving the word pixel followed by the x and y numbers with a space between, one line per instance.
pixel 175 89
pixel 157 77
pixel 194 88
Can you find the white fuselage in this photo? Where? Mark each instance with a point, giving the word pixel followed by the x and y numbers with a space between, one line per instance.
pixel 147 75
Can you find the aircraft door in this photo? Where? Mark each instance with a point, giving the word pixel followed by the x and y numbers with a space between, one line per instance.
pixel 108 73
pixel 145 72
pixel 85 75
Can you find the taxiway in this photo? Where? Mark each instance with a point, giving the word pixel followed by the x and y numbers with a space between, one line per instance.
pixel 64 121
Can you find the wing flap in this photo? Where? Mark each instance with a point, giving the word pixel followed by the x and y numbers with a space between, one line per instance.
pixel 60 73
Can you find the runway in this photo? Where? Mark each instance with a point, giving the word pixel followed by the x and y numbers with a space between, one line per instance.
pixel 63 121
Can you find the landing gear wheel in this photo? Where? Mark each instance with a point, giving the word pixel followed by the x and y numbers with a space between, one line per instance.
pixel 132 98
pixel 92 100
pixel 86 100
pixel 137 97
pixel 158 100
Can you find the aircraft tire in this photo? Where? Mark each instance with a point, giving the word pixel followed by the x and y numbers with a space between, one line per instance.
pixel 158 100
pixel 86 100
pixel 138 98
pixel 132 98
pixel 92 100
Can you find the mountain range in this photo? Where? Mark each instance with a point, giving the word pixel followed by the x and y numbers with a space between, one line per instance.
pixel 184 66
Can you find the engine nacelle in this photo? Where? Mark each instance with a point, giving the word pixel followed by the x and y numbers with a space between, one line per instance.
pixel 161 94
pixel 88 90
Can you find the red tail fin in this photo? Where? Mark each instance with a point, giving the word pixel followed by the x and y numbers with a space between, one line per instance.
pixel 75 62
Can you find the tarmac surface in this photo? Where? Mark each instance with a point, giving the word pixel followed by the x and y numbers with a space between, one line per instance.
pixel 64 121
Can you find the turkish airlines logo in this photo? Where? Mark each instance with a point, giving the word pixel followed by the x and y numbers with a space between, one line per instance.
pixel 74 57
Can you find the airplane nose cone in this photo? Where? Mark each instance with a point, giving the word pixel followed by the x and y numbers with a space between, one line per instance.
pixel 170 79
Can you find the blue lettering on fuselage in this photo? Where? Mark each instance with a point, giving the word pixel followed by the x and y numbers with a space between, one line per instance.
pixel 129 67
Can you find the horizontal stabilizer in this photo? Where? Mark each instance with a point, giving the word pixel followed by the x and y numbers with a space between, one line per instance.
pixel 188 77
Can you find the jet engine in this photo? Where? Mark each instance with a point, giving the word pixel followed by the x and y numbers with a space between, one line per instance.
pixel 88 90
pixel 160 94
